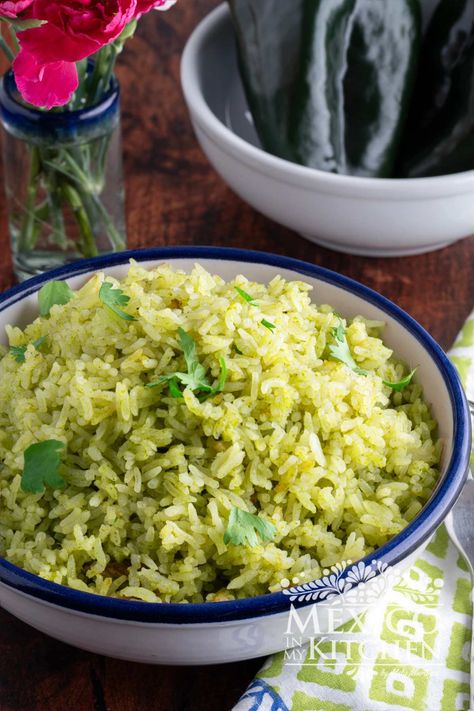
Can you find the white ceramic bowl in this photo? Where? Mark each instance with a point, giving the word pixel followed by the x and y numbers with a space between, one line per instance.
pixel 228 631
pixel 367 216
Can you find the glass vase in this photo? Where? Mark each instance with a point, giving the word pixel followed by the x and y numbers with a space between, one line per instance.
pixel 63 180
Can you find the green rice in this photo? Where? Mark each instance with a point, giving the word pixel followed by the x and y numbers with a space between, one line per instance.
pixel 337 461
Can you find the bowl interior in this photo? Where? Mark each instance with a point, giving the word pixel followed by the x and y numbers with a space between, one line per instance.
pixel 214 93
pixel 406 344
pixel 221 85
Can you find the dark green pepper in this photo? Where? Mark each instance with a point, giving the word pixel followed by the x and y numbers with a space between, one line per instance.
pixel 268 40
pixel 356 78
pixel 440 130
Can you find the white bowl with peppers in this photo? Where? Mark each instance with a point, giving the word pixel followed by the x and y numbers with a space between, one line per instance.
pixel 371 216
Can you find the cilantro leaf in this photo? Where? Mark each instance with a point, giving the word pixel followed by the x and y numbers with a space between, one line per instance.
pixel 42 462
pixel 340 350
pixel 339 332
pixel 39 342
pixel 245 295
pixel 220 383
pixel 189 348
pixel 174 388
pixel 195 379
pixel 243 527
pixel 172 381
pixel 222 376
pixel 52 293
pixel 401 384
pixel 113 299
pixel 250 300
pixel 267 324
pixel 18 352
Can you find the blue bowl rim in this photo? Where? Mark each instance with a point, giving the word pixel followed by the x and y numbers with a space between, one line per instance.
pixel 398 548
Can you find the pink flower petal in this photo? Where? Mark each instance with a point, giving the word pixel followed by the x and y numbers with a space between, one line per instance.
pixel 85 25
pixel 44 85
pixel 49 44
pixel 12 8
pixel 147 5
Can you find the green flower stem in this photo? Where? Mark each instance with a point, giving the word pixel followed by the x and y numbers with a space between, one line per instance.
pixel 88 195
pixel 104 82
pixel 41 215
pixel 55 200
pixel 76 170
pixel 70 178
pixel 114 235
pixel 42 212
pixel 14 38
pixel 76 202
pixel 4 46
pixel 79 96
pixel 27 232
pixel 102 59
pixel 66 181
pixel 101 157
pixel 107 57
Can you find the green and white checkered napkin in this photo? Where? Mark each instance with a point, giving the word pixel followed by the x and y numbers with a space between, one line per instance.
pixel 419 635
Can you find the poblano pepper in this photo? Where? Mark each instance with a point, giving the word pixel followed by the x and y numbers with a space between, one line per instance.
pixel 440 130
pixel 355 83
pixel 268 42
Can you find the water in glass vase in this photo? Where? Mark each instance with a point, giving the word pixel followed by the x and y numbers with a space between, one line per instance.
pixel 63 180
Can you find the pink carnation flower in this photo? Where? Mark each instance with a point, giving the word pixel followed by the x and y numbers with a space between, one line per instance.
pixel 45 69
pixel 146 5
pixel 72 30
pixel 12 8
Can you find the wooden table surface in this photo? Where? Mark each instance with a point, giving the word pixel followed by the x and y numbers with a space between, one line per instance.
pixel 175 197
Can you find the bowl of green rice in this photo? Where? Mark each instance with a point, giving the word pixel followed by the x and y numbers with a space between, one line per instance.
pixel 199 444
